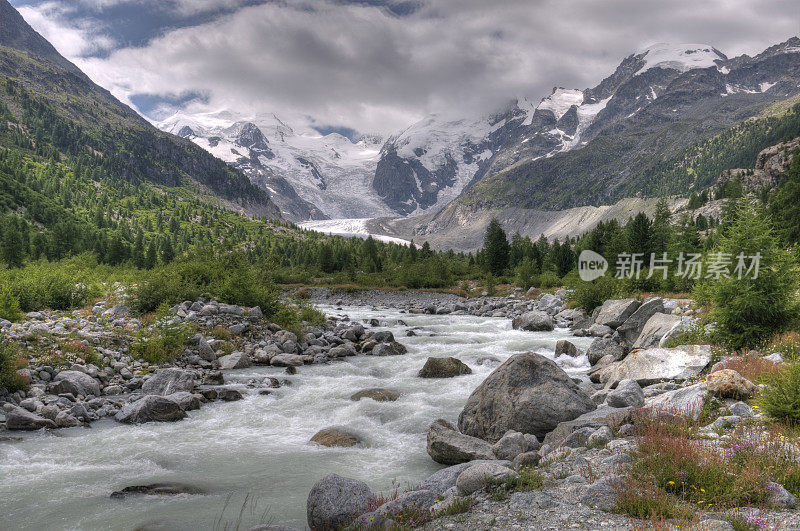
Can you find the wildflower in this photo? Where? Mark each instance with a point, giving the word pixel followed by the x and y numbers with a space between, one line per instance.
pixel 671 482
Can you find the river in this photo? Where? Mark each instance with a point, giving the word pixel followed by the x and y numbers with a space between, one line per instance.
pixel 254 454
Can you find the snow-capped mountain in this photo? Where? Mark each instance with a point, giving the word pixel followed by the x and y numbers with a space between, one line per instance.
pixel 309 176
pixel 425 167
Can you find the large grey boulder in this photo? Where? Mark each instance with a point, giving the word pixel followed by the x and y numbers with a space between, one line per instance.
pixel 22 419
pixel 235 360
pixel 204 350
pixel 378 394
pixel 655 329
pixel 335 502
pixel 627 394
pixel 657 364
pixel 482 475
pixel 686 401
pixel 75 382
pixel 629 330
pixel 167 381
pixel 533 321
pixel 389 349
pixel 602 347
pixel 186 400
pixel 445 479
pixel 514 443
pixel 449 447
pixel 286 360
pixel 151 408
pixel 444 368
pixel 528 393
pixel 565 348
pixel 615 312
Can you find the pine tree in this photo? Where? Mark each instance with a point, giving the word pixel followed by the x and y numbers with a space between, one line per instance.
pixel 12 248
pixel 152 256
pixel 496 248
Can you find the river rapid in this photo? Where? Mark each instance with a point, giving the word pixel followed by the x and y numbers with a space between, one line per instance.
pixel 252 457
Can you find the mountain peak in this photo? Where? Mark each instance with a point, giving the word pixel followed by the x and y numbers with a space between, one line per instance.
pixel 680 57
pixel 17 34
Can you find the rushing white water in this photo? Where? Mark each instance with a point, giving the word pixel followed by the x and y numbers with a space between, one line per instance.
pixel 258 448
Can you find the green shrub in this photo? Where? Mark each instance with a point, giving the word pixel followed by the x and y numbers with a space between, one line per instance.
pixel 9 364
pixel 458 506
pixel 780 398
pixel 163 345
pixel 547 279
pixel 9 305
pixel 590 295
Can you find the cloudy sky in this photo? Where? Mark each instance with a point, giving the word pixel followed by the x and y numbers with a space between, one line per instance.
pixel 376 66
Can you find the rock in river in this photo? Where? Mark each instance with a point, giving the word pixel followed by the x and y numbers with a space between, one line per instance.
pixel 444 368
pixel 533 321
pixel 377 394
pixel 336 437
pixel 157 489
pixel 22 419
pixel 151 408
pixel 449 447
pixel 167 381
pixel 528 393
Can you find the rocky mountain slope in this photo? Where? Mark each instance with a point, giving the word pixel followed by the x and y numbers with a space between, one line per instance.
pixel 48 98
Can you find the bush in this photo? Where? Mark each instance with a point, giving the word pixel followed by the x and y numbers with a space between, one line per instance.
pixel 164 345
pixel 9 364
pixel 57 285
pixel 230 278
pixel 9 305
pixel 780 398
pixel 590 295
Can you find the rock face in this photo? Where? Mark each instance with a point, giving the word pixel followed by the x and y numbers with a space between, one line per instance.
pixel 656 327
pixel 377 394
pixel 335 502
pixel 151 408
pixel 481 475
pixel 533 321
pixel 167 381
pixel 75 382
pixel 528 393
pixel 336 437
pixel 21 419
pixel 728 383
pixel 657 364
pixel 615 312
pixel 449 447
pixel 444 368
pixel 629 330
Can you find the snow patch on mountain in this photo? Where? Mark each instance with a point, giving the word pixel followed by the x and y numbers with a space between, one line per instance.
pixel 349 228
pixel 561 100
pixel 680 57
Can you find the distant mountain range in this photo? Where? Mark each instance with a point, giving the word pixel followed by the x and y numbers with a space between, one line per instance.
pixel 573 148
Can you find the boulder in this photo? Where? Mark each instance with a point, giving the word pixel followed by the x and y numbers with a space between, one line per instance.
pixel 445 479
pixel 18 418
pixel 564 347
pixel 334 436
pixel 229 395
pixel 167 381
pixel 335 502
pixel 657 364
pixel 525 460
pixel 286 360
pixel 779 497
pixel 528 393
pixel 444 368
pixel 185 399
pixel 533 321
pixel 383 337
pixel 449 447
pixel 598 330
pixel 150 408
pixel 602 416
pixel 603 493
pixel 655 329
pixel 377 394
pixel 628 393
pixel 204 350
pixel 615 312
pixel 389 349
pixel 686 401
pixel 75 382
pixel 728 383
pixel 416 500
pixel 236 360
pixel 629 330
pixel 601 347
pixel 514 443
pixel 482 475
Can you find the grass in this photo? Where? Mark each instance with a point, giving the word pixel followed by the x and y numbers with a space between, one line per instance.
pixel 529 479
pixel 753 367
pixel 788 344
pixel 10 362
pixel 162 345
pixel 458 506
pixel 696 335
pixel 674 474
